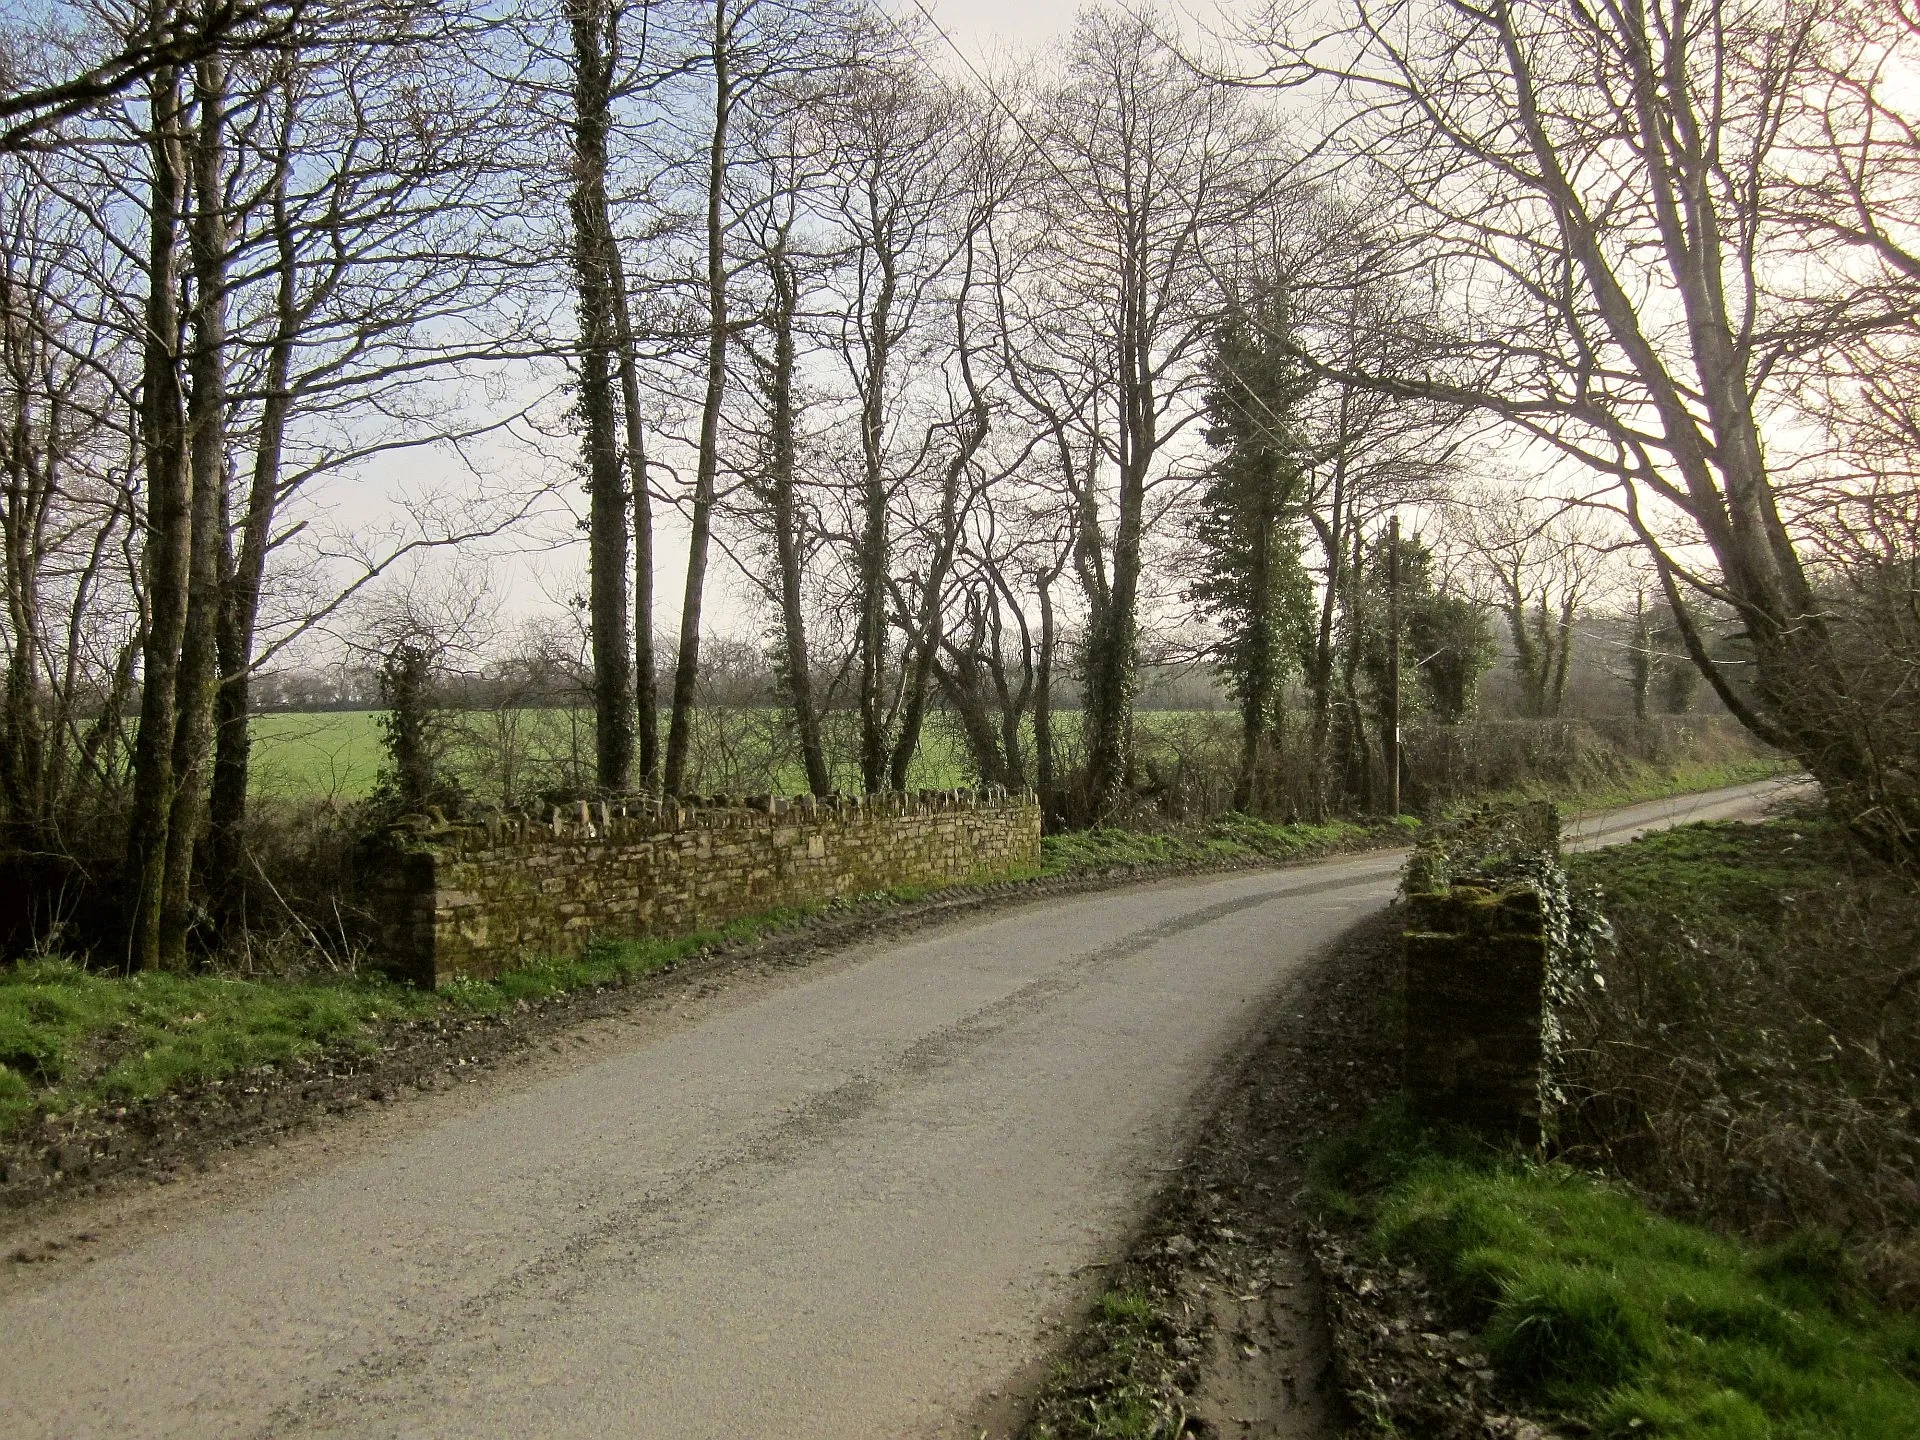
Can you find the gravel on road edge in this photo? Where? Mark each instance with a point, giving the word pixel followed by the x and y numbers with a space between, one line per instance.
pixel 1238 1312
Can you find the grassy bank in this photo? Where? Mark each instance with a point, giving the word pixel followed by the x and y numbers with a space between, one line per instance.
pixel 1228 839
pixel 1724 1247
pixel 1635 783
pixel 73 1040
pixel 1753 1060
pixel 1594 1308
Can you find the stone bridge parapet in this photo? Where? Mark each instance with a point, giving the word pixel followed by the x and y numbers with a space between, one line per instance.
pixel 474 898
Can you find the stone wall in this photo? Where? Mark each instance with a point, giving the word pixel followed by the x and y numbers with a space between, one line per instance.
pixel 472 900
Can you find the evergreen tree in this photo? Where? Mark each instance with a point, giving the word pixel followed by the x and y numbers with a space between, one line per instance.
pixel 1446 645
pixel 1247 533
pixel 1451 642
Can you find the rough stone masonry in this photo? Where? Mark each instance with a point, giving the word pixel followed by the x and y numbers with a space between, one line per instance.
pixel 1480 955
pixel 1476 980
pixel 471 900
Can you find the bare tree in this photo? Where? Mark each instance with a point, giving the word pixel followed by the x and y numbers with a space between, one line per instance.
pixel 902 195
pixel 1148 167
pixel 65 453
pixel 163 37
pixel 1544 561
pixel 1612 204
pixel 168 550
pixel 209 251
pixel 786 157
pixel 728 33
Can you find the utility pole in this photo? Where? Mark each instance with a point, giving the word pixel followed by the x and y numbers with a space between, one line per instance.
pixel 1393 667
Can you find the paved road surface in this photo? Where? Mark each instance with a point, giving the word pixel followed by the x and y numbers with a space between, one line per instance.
pixel 844 1203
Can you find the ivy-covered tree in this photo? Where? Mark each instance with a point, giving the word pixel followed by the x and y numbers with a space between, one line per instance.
pixel 1247 532
pixel 414 733
pixel 1446 645
pixel 1451 641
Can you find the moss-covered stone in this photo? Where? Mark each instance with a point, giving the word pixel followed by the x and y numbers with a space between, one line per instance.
pixel 472 900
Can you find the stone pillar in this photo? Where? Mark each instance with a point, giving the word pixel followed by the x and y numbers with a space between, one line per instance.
pixel 1476 976
pixel 401 892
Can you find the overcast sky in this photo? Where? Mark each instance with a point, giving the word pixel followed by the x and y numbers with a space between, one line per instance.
pixel 981 25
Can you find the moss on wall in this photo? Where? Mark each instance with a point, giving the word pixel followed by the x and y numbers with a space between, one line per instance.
pixel 475 899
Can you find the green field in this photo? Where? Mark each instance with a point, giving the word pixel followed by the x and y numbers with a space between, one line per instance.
pixel 317 756
pixel 512 756
pixel 518 753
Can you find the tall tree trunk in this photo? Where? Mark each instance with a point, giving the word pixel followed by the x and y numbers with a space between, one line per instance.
pixel 1528 660
pixel 1640 657
pixel 1261 668
pixel 1044 781
pixel 165 557
pixel 1114 641
pixel 198 675
pixel 1330 531
pixel 648 713
pixel 924 642
pixel 1563 654
pixel 1113 660
pixel 796 665
pixel 686 669
pixel 1013 700
pixel 29 480
pixel 246 571
pixel 875 538
pixel 1359 754
pixel 592 23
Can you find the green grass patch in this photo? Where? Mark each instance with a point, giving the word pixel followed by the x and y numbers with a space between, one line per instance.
pixel 1230 837
pixel 1622 1320
pixel 72 1038
pixel 1721 875
pixel 1120 1386
pixel 337 754
pixel 333 754
pixel 1639 782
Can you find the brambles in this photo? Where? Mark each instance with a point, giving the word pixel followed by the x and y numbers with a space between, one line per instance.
pixel 1754 1059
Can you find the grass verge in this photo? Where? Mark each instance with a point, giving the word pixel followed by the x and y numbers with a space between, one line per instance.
pixel 1628 1323
pixel 1228 839
pixel 1753 1060
pixel 1637 783
pixel 72 1040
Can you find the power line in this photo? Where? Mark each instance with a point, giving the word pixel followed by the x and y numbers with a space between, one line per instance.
pixel 1047 155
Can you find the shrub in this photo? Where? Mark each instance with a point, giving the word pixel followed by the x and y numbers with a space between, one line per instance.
pixel 1754 1057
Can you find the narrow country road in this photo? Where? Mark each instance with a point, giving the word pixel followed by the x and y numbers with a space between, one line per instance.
pixel 844 1202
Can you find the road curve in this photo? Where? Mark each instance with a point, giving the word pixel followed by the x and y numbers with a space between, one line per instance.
pixel 846 1204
